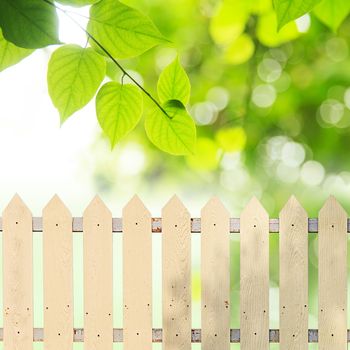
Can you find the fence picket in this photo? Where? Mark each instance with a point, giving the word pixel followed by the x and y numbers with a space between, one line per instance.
pixel 176 226
pixel 17 276
pixel 254 277
pixel 98 277
pixel 293 277
pixel 215 276
pixel 58 276
pixel 176 246
pixel 332 265
pixel 137 276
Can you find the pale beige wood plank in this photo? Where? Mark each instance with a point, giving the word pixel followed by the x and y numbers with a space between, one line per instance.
pixel 176 247
pixel 254 277
pixel 293 277
pixel 215 276
pixel 58 276
pixel 332 277
pixel 17 276
pixel 98 277
pixel 137 276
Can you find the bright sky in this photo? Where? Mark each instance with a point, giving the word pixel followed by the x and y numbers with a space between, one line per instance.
pixel 38 158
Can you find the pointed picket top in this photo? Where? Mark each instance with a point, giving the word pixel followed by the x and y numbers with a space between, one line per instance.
pixel 332 207
pixel 135 205
pixel 214 205
pixel 174 204
pixel 16 206
pixel 254 209
pixel 96 206
pixel 293 218
pixel 56 205
pixel 293 208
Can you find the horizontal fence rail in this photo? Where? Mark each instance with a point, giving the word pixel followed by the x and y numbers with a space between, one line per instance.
pixel 157 335
pixel 156 224
pixel 175 225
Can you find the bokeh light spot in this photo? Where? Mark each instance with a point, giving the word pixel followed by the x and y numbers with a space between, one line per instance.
pixel 331 111
pixel 293 154
pixel 204 112
pixel 269 70
pixel 264 95
pixel 312 173
pixel 219 96
pixel 337 49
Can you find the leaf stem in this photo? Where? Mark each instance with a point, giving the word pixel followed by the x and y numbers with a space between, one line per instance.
pixel 125 73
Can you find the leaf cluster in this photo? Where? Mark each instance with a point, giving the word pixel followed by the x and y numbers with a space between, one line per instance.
pixel 114 31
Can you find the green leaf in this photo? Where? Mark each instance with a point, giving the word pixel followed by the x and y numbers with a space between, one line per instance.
pixel 77 3
pixel 332 12
pixel 30 24
pixel 175 133
pixel 122 30
pixel 267 34
pixel 173 84
pixel 10 54
pixel 74 74
pixel 288 10
pixel 119 109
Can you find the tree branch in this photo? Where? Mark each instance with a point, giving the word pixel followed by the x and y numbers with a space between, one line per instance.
pixel 125 73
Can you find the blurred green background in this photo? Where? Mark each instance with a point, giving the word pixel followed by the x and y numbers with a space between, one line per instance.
pixel 273 119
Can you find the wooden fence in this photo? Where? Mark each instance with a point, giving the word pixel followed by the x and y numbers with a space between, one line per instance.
pixel 176 225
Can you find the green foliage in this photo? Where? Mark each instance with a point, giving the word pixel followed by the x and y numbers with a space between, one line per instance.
pixel 29 24
pixel 119 109
pixel 287 10
pixel 172 129
pixel 77 3
pixel 174 133
pixel 10 54
pixel 206 156
pixel 267 31
pixel 229 21
pixel 224 36
pixel 241 50
pixel 122 30
pixel 173 84
pixel 74 75
pixel 332 12
pixel 231 139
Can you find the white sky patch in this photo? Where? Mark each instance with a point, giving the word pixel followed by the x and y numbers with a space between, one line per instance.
pixel 38 157
pixel 69 32
pixel 303 23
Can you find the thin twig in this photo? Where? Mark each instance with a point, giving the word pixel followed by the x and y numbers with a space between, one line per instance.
pixel 125 73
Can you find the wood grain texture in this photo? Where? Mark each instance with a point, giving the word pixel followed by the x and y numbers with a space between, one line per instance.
pixel 332 278
pixel 137 276
pixel 17 276
pixel 176 249
pixel 98 277
pixel 293 277
pixel 58 276
pixel 215 276
pixel 254 277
